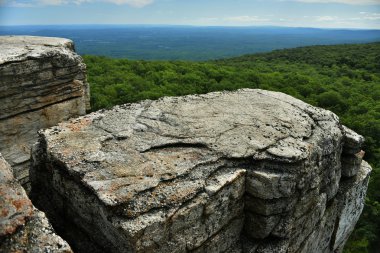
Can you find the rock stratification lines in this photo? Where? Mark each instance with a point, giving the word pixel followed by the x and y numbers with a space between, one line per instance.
pixel 244 171
pixel 42 82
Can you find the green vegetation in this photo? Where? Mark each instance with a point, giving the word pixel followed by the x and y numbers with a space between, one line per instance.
pixel 342 78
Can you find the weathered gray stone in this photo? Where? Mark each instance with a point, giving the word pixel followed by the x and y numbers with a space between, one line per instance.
pixel 319 240
pixel 181 174
pixel 23 228
pixel 225 240
pixel 351 164
pixel 42 82
pixel 268 207
pixel 268 185
pixel 280 246
pixel 350 205
pixel 15 205
pixel 352 141
pixel 259 226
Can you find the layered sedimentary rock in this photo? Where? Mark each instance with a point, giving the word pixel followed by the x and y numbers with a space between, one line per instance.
pixel 244 171
pixel 42 82
pixel 23 228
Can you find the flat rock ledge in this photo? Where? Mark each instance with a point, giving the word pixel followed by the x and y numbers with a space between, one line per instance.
pixel 23 228
pixel 245 171
pixel 42 82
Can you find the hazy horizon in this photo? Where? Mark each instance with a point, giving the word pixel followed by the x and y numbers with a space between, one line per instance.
pixel 185 25
pixel 171 42
pixel 351 14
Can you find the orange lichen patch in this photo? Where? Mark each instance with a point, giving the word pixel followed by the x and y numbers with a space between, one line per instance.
pixel 16 207
pixel 18 221
pixel 116 186
pixel 129 169
pixel 79 124
pixel 9 230
pixel 21 203
pixel 66 151
pixel 179 193
pixel 4 213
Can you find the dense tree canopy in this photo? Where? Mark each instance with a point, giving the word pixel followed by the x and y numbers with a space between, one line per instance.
pixel 341 78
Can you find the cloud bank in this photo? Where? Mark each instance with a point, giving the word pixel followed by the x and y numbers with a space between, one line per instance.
pixel 246 19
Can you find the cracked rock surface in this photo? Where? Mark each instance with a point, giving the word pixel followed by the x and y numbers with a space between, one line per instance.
pixel 42 82
pixel 23 228
pixel 244 171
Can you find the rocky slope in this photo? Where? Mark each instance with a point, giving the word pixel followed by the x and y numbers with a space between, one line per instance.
pixel 42 82
pixel 244 171
pixel 23 228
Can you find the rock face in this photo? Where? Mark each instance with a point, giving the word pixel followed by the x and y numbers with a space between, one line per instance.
pixel 23 228
pixel 42 82
pixel 244 171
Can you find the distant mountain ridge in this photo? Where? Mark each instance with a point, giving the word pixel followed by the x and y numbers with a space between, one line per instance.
pixel 153 42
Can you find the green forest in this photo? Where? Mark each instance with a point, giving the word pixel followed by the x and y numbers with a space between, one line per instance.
pixel 342 78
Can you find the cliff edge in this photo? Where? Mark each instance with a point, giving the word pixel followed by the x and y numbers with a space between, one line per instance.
pixel 43 82
pixel 244 171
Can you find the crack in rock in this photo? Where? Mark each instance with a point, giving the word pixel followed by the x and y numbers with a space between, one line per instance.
pixel 245 170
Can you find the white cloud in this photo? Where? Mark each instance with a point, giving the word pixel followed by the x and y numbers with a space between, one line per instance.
pixel 81 1
pixel 52 2
pixel 368 16
pixel 371 16
pixel 209 19
pixel 33 3
pixel 364 16
pixel 134 3
pixel 246 19
pixel 352 2
pixel 15 4
pixel 326 18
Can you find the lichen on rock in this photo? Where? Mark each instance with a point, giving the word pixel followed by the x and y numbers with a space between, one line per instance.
pixel 243 171
pixel 23 228
pixel 43 82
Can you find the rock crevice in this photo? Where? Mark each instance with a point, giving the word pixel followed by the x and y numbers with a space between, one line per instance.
pixel 23 228
pixel 244 171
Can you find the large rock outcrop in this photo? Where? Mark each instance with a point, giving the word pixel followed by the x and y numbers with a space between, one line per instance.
pixel 244 171
pixel 23 228
pixel 42 82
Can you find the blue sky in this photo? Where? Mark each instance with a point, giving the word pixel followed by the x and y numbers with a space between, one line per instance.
pixel 296 13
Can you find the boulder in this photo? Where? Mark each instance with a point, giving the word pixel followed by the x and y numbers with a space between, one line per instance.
pixel 243 171
pixel 42 82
